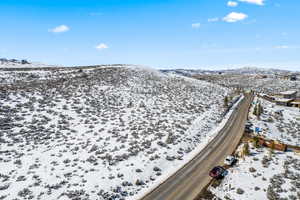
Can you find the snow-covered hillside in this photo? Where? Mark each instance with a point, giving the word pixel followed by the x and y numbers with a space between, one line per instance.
pixel 269 85
pixel 278 122
pixel 255 71
pixel 99 133
pixel 262 80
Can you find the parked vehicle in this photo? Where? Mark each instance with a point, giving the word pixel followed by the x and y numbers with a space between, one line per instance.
pixel 248 127
pixel 218 172
pixel 230 160
pixel 248 124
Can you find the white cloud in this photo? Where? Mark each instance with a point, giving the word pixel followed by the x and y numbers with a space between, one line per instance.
pixel 215 19
pixel 232 4
pixel 101 46
pixel 196 25
pixel 234 17
pixel 257 2
pixel 60 29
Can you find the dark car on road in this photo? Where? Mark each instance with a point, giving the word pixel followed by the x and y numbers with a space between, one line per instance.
pixel 218 172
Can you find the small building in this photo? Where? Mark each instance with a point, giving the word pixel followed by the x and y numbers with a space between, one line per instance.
pixel 261 76
pixel 295 103
pixel 293 77
pixel 267 97
pixel 276 145
pixel 23 62
pixel 288 94
pixel 283 102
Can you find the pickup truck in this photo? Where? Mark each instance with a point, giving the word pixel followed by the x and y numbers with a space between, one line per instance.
pixel 230 160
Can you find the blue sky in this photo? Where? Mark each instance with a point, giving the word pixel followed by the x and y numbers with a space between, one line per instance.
pixel 164 34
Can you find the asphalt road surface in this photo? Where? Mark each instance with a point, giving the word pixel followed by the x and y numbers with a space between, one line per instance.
pixel 188 182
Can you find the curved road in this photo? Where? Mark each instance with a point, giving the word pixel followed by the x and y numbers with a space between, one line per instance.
pixel 188 182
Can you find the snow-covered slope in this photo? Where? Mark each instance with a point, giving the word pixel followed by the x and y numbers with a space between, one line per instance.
pixel 270 85
pixel 99 133
pixel 278 122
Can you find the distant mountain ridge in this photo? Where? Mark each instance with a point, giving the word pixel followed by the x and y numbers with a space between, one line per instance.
pixel 23 63
pixel 13 61
pixel 243 70
pixel 255 70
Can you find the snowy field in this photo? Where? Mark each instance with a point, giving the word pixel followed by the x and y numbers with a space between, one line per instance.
pixel 103 133
pixel 262 176
pixel 278 122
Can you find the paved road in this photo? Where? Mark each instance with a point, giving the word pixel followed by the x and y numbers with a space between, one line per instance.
pixel 187 183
